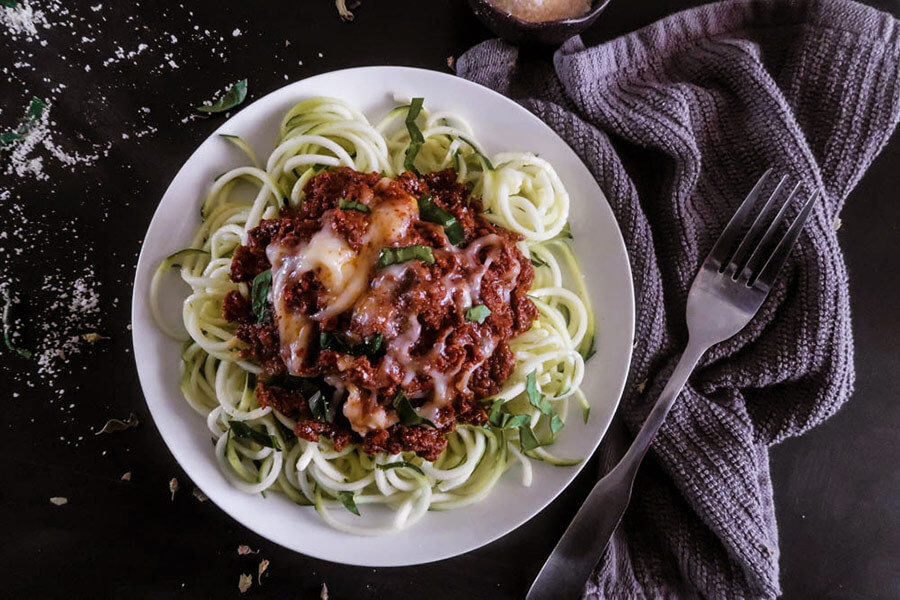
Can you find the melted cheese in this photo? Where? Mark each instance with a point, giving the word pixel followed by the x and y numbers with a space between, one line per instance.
pixel 345 274
pixel 342 272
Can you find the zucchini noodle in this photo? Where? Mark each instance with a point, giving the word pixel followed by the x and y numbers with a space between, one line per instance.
pixel 520 192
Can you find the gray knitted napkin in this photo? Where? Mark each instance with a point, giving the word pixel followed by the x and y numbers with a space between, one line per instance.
pixel 676 122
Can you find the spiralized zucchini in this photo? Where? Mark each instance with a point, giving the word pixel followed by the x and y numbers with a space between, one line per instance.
pixel 520 192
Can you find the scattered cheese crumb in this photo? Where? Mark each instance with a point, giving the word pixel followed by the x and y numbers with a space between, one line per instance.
pixel 244 582
pixel 173 487
pixel 59 500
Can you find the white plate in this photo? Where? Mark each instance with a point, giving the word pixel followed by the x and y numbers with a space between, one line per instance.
pixel 500 125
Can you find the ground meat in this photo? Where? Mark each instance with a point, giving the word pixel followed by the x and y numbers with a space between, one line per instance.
pixel 423 299
pixel 262 345
pixel 290 403
pixel 235 307
pixel 425 441
pixel 310 430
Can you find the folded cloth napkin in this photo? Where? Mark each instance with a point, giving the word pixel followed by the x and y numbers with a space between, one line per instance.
pixel 676 122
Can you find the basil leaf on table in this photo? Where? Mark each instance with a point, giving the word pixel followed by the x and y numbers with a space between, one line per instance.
pixel 232 97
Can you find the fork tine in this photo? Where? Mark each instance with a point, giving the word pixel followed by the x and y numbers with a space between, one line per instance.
pixel 767 244
pixel 722 248
pixel 738 258
pixel 781 252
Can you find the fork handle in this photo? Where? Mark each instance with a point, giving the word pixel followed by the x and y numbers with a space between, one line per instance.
pixel 578 551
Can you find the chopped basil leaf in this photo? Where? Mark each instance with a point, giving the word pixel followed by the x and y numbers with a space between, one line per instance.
pixel 406 413
pixel 305 385
pixel 495 417
pixel 232 97
pixel 9 3
pixel 537 262
pixel 431 212
pixel 350 205
pixel 478 313
pixel 242 430
pixel 370 347
pixel 415 134
pixel 8 137
pixel 484 159
pixel 585 413
pixel 7 326
pixel 394 255
pixel 34 113
pixel 527 440
pixel 349 503
pixel 318 406
pixel 259 296
pixel 556 424
pixel 401 464
pixel 516 421
pixel 536 398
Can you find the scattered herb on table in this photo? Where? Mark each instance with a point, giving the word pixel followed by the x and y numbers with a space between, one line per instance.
pixel 114 425
pixel 233 96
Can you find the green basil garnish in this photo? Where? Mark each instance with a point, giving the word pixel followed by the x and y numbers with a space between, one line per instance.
pixel 242 430
pixel 394 255
pixel 7 327
pixel 527 439
pixel 537 262
pixel 406 413
pixel 341 343
pixel 349 503
pixel 350 205
pixel 312 390
pixel 318 406
pixel 536 398
pixel 484 159
pixel 401 464
pixel 34 113
pixel 478 313
pixel 431 212
pixel 415 135
pixel 9 3
pixel 232 97
pixel 556 424
pixel 259 296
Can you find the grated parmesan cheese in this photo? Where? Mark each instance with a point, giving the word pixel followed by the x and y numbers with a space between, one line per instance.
pixel 537 11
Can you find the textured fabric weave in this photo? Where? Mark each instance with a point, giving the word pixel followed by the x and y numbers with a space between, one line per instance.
pixel 676 122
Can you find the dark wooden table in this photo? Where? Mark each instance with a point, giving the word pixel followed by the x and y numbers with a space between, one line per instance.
pixel 837 490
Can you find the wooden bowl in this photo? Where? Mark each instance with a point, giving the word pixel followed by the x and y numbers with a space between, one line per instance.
pixel 525 33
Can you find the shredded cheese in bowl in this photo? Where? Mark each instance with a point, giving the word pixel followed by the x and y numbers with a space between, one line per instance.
pixel 537 11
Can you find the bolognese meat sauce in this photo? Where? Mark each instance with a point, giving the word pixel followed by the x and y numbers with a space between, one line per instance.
pixel 371 303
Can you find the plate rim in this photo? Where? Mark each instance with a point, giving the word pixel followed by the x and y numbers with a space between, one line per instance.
pixel 138 300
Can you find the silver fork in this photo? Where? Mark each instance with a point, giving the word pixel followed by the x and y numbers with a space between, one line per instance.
pixel 732 283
